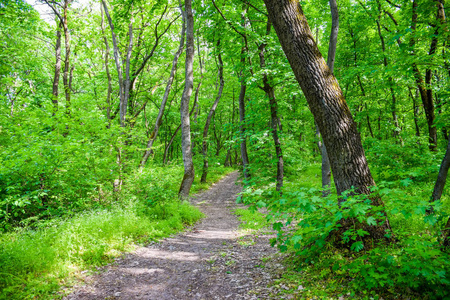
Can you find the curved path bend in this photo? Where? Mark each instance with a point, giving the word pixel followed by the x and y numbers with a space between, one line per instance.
pixel 212 260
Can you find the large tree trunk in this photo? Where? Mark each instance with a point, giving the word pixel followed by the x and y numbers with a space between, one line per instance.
pixel 158 121
pixel 326 102
pixel 188 177
pixel 57 69
pixel 270 94
pixel 210 115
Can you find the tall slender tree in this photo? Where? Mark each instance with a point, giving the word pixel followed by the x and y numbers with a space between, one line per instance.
pixel 189 174
pixel 212 110
pixel 274 122
pixel 162 107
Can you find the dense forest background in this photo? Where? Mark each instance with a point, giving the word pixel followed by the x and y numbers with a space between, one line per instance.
pixel 90 124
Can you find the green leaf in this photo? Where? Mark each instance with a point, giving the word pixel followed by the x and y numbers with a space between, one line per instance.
pixel 371 221
pixel 357 246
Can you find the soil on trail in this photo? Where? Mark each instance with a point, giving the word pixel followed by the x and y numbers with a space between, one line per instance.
pixel 212 260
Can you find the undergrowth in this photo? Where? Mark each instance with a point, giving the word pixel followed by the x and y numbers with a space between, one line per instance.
pixel 250 219
pixel 414 266
pixel 36 261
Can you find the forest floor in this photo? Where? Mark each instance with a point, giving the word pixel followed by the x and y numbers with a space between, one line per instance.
pixel 212 260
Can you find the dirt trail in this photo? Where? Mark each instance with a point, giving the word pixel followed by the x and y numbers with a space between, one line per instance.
pixel 210 261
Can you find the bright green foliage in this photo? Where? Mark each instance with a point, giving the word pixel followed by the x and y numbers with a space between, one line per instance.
pixel 415 265
pixel 251 220
pixel 83 167
pixel 53 253
pixel 36 262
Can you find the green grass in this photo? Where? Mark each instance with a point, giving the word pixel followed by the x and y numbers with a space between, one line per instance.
pixel 251 219
pixel 37 262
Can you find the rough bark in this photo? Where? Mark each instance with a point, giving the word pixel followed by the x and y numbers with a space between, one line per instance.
pixel 326 102
pixel 188 177
pixel 158 121
pixel 270 94
pixel 57 69
pixel 210 115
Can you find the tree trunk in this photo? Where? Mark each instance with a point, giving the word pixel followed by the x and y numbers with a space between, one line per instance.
pixel 242 127
pixel 127 81
pixel 439 188
pixel 228 161
pixel 333 35
pixel 415 112
pixel 270 94
pixel 57 69
pixel 426 94
pixel 189 174
pixel 124 84
pixel 166 150
pixel 108 73
pixel 390 80
pixel 158 121
pixel 326 168
pixel 210 115
pixel 327 103
pixel 442 176
pixel 66 58
pixel 197 90
pixel 242 119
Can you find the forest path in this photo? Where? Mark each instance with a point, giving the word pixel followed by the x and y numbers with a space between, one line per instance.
pixel 212 260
